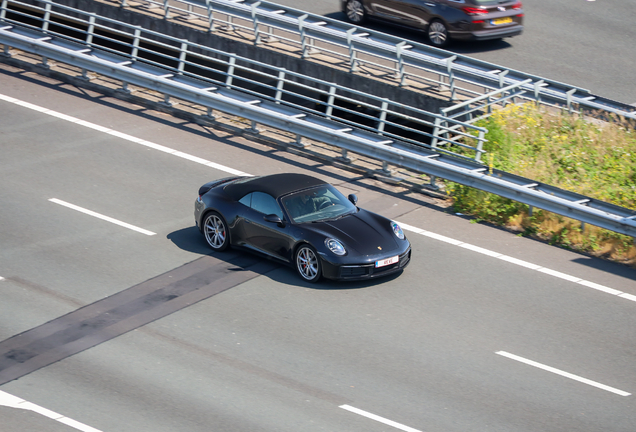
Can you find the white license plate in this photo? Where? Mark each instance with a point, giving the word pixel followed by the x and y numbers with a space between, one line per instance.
pixel 500 21
pixel 386 262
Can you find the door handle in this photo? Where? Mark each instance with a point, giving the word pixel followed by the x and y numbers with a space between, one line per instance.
pixel 430 4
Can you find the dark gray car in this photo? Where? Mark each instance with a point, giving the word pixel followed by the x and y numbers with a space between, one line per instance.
pixel 443 20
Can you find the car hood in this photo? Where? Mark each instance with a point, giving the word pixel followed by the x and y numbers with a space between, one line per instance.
pixel 365 232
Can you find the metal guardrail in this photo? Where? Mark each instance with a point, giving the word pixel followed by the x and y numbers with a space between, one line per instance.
pixel 208 67
pixel 405 62
pixel 273 114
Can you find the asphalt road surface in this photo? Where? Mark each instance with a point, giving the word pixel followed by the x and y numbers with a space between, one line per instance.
pixel 585 43
pixel 115 316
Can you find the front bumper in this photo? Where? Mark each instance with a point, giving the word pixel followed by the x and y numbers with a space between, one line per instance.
pixel 363 271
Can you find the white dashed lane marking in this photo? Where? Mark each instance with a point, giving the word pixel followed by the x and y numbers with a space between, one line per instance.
pixel 378 418
pixel 519 262
pixel 11 401
pixel 563 373
pixel 101 216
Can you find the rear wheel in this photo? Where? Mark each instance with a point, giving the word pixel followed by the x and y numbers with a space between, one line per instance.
pixel 355 12
pixel 308 263
pixel 215 231
pixel 438 33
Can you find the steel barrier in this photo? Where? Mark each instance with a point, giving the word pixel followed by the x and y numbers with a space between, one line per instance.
pixel 403 62
pixel 273 114
pixel 210 67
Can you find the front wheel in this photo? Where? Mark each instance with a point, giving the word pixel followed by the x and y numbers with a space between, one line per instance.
pixel 308 263
pixel 355 12
pixel 438 34
pixel 215 231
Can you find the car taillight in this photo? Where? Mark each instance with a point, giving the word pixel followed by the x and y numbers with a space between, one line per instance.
pixel 475 11
pixel 517 5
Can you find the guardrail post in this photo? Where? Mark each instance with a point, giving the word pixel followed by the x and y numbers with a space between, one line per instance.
pixel 3 9
pixel 480 146
pixel 47 17
pixel 279 86
pixel 569 94
pixel 400 62
pixel 502 75
pixel 257 33
pixel 383 109
pixel 537 90
pixel 230 71
pixel 136 39
pixel 166 9
pixel 182 56
pixel 91 29
pixel 211 25
pixel 353 63
pixel 330 102
pixel 451 77
pixel 438 123
pixel 303 39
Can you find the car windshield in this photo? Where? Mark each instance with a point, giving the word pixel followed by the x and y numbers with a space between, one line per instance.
pixel 317 204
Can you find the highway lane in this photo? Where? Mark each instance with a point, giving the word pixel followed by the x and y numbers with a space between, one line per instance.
pixel 272 353
pixel 583 43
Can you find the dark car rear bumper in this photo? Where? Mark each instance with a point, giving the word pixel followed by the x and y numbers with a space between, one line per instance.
pixel 363 271
pixel 488 34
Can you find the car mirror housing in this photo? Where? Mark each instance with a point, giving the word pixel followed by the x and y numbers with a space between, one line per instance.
pixel 272 218
pixel 353 198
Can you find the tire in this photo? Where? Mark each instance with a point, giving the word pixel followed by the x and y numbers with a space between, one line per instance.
pixel 438 34
pixel 355 12
pixel 215 231
pixel 308 263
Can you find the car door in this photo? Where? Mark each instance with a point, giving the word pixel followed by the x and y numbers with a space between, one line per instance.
pixel 411 13
pixel 267 237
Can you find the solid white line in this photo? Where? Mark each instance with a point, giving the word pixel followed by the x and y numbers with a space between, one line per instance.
pixel 628 296
pixel 11 401
pixel 122 135
pixel 379 419
pixel 562 373
pixel 519 262
pixel 100 216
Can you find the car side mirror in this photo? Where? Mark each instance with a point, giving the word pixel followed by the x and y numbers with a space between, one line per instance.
pixel 353 198
pixel 272 218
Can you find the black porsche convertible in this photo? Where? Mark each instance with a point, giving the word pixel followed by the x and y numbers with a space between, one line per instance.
pixel 301 221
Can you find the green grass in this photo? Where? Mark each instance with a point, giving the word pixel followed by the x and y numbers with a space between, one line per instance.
pixel 590 157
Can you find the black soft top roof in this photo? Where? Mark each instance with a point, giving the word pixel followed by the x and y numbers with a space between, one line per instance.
pixel 275 185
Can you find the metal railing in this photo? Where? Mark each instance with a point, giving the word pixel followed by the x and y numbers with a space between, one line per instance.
pixel 206 67
pixel 275 115
pixel 174 81
pixel 404 63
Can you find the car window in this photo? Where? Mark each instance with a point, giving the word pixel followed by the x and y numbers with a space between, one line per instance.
pixel 265 204
pixel 246 200
pixel 317 204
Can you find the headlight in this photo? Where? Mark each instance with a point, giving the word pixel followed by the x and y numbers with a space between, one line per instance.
pixel 397 230
pixel 335 246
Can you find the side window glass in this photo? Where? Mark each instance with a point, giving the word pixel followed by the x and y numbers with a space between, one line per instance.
pixel 246 200
pixel 265 204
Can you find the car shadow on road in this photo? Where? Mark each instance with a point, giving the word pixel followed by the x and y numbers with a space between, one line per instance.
pixel 190 239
